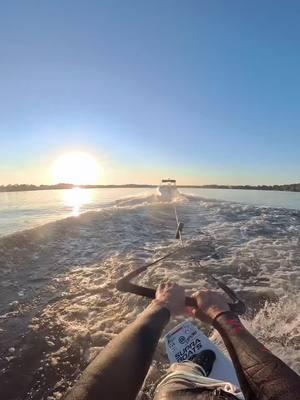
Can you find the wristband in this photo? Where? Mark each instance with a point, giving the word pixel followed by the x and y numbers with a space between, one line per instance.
pixel 214 321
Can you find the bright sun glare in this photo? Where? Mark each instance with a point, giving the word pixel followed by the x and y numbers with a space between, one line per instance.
pixel 76 168
pixel 76 198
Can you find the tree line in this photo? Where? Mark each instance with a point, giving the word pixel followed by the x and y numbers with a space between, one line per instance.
pixel 293 187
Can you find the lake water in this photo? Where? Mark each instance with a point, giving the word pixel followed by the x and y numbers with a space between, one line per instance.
pixel 24 210
pixel 59 305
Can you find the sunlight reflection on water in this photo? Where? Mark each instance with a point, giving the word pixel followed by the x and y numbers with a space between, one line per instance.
pixel 76 198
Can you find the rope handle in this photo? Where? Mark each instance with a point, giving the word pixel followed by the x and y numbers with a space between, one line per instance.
pixel 125 285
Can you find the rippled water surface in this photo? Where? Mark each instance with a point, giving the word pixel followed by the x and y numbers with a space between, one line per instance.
pixel 58 280
pixel 23 210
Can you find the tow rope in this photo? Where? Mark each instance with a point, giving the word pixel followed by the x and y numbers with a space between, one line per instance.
pixel 179 227
pixel 125 285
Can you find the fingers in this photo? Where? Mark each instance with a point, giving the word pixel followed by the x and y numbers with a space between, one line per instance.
pixel 167 285
pixel 161 286
pixel 210 304
pixel 172 296
pixel 198 296
pixel 170 284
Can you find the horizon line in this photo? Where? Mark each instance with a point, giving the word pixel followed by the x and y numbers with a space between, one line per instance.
pixel 27 187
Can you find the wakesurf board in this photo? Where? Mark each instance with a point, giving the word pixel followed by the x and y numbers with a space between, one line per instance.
pixel 186 340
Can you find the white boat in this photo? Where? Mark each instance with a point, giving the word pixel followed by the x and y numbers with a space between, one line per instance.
pixel 168 189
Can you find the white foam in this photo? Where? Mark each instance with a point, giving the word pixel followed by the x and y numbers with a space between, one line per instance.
pixel 74 264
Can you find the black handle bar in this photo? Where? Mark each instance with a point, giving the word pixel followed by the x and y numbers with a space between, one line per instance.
pixel 125 285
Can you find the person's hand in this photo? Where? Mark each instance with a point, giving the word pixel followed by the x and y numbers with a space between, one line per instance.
pixel 171 296
pixel 210 305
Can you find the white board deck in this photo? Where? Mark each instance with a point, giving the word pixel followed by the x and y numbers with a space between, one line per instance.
pixel 186 340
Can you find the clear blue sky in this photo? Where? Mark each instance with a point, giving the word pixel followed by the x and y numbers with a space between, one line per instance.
pixel 206 91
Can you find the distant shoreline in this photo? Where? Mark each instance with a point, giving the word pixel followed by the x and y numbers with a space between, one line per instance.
pixel 294 187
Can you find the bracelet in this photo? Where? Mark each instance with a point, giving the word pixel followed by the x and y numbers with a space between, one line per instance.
pixel 214 321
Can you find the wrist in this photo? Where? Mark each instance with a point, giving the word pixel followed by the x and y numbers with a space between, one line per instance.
pixel 214 312
pixel 161 304
pixel 223 318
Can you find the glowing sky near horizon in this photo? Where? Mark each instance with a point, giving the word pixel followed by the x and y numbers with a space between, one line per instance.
pixel 77 168
pixel 205 92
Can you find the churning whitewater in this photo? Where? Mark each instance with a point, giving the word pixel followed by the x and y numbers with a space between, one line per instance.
pixel 58 302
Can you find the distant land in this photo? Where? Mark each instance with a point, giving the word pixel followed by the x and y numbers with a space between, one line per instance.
pixel 293 187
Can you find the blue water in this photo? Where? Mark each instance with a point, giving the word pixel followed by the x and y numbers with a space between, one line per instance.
pixel 272 198
pixel 24 210
pixel 57 281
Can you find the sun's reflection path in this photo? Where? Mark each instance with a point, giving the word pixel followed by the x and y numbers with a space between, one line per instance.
pixel 76 198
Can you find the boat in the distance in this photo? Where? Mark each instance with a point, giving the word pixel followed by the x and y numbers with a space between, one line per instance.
pixel 168 189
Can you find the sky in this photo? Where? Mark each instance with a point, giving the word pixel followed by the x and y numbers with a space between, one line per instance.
pixel 202 91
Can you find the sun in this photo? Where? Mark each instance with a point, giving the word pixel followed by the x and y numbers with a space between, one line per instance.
pixel 77 168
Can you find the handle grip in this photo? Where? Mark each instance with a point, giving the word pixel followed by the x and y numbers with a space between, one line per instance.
pixel 124 285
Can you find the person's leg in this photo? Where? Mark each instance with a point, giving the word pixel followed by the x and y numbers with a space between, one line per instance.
pixel 190 380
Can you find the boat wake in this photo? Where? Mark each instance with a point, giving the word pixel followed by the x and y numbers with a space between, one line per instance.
pixel 58 281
